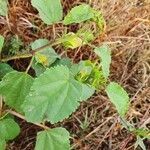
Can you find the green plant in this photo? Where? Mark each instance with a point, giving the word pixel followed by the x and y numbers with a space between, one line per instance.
pixel 141 133
pixel 84 124
pixel 59 86
pixel 3 7
pixel 13 46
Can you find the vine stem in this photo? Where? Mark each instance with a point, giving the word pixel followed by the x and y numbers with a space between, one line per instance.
pixel 22 117
pixel 30 64
pixel 31 53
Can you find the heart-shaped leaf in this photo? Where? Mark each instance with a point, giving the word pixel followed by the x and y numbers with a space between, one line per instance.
pixel 53 139
pixel 53 97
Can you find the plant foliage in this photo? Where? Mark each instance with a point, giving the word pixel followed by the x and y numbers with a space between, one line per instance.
pixel 53 139
pixel 50 11
pixel 14 87
pixel 4 69
pixel 1 43
pixel 79 14
pixel 53 97
pixel 2 144
pixel 119 97
pixel 3 7
pixel 45 57
pixel 9 129
pixel 105 55
pixel 58 85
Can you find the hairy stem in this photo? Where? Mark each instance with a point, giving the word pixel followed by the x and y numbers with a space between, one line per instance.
pixel 31 53
pixel 22 117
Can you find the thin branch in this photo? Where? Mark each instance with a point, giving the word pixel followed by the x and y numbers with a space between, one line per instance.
pixel 22 117
pixel 30 64
pixel 31 53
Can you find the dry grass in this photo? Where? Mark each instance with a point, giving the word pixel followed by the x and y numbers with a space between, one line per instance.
pixel 127 31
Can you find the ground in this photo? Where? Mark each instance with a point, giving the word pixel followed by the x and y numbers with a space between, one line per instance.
pixel 127 32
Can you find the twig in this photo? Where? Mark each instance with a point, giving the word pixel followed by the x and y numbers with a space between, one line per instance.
pixel 94 131
pixel 30 64
pixel 146 81
pixel 131 37
pixel 107 133
pixel 22 117
pixel 31 53
pixel 16 57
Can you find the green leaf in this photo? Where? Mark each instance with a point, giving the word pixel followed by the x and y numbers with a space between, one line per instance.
pixel 50 11
pixel 141 132
pixel 64 61
pixel 87 92
pixel 14 45
pixel 1 41
pixel 53 139
pixel 99 20
pixel 38 68
pixel 71 40
pixel 86 35
pixel 14 87
pixel 89 73
pixel 79 14
pixel 4 69
pixel 127 125
pixel 104 53
pixel 2 144
pixel 119 97
pixel 9 129
pixel 139 142
pixel 47 56
pixel 53 96
pixel 3 7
